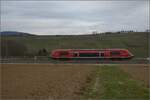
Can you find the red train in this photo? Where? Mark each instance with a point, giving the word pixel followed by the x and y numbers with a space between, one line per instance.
pixel 91 54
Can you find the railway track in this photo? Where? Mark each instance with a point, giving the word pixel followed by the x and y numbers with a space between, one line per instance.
pixel 85 61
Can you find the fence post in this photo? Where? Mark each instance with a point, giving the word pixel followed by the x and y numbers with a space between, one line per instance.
pixel 35 58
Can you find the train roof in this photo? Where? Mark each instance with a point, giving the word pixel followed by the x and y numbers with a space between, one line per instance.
pixel 91 49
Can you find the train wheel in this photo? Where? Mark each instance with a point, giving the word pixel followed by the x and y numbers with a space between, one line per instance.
pixel 64 59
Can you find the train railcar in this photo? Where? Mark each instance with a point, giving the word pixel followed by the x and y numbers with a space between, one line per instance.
pixel 91 54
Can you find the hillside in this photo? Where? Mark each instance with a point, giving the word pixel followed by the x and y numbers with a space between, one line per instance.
pixel 14 33
pixel 136 42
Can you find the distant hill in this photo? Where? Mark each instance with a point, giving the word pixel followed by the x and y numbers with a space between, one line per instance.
pixel 136 42
pixel 14 33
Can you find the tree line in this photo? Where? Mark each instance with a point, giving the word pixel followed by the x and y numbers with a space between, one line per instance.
pixel 16 49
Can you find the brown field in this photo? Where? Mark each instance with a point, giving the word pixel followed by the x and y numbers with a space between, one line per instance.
pixel 139 72
pixel 43 81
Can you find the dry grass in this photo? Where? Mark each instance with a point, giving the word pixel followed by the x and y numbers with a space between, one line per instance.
pixel 139 72
pixel 43 80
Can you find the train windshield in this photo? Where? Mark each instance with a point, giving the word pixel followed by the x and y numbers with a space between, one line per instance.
pixel 115 53
pixel 88 54
pixel 64 53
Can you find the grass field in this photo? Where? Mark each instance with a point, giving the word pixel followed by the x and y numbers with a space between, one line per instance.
pixel 75 82
pixel 112 83
pixel 136 42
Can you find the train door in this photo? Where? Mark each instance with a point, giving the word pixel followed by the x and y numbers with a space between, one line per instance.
pixel 76 54
pixel 101 54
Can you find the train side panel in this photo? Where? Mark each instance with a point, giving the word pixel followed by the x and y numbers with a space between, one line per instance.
pixel 101 54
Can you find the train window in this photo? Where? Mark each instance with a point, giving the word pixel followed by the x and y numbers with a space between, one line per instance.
pixel 88 54
pixel 115 53
pixel 64 53
pixel 102 54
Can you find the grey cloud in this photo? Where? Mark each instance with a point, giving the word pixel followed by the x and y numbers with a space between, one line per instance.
pixel 52 17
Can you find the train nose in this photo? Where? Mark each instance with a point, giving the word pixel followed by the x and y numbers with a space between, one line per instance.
pixel 52 54
pixel 132 56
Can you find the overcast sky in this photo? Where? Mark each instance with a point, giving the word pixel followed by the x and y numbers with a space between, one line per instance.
pixel 74 17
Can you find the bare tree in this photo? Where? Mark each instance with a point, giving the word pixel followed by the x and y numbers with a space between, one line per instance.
pixel 12 48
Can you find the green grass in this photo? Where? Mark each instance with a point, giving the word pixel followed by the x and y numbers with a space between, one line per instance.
pixel 111 83
pixel 136 42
